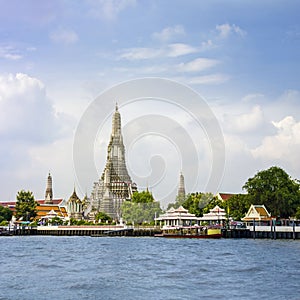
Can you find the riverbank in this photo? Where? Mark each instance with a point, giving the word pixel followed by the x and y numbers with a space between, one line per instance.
pixel 259 232
pixel 94 231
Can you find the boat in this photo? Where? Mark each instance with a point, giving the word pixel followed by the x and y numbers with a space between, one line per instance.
pixel 191 232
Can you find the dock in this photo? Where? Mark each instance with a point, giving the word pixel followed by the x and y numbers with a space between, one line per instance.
pixel 264 232
pixel 256 232
pixel 93 231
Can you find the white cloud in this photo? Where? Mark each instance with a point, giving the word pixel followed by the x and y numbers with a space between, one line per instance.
pixel 109 9
pixel 209 79
pixel 198 64
pixel 179 49
pixel 284 146
pixel 28 122
pixel 225 30
pixel 142 53
pixel 252 98
pixel 10 53
pixel 207 45
pixel 245 122
pixel 64 36
pixel 169 33
pixel 26 114
pixel 153 69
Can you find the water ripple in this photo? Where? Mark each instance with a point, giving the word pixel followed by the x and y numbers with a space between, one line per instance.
pixel 34 267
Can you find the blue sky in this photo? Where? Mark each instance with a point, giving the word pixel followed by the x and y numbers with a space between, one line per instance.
pixel 242 57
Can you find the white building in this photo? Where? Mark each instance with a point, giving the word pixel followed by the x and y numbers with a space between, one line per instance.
pixel 176 218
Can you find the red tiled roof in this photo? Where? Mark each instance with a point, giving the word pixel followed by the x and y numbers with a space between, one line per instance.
pixel 39 201
pixel 225 196
pixel 42 210
pixel 54 201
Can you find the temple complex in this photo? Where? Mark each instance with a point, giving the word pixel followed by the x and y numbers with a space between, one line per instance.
pixel 115 185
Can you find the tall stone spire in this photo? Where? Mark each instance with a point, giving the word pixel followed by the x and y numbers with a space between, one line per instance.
pixel 116 151
pixel 116 123
pixel 115 185
pixel 181 188
pixel 49 192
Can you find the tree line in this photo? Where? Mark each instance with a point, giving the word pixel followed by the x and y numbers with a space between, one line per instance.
pixel 273 188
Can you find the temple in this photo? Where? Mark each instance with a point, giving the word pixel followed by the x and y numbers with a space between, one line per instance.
pixel 115 185
pixel 75 207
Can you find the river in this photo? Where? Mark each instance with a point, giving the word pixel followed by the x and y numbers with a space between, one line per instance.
pixel 46 267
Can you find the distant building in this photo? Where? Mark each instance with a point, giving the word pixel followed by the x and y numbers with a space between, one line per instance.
pixel 47 211
pixel 75 207
pixel 44 206
pixel 217 215
pixel 115 185
pixel 49 191
pixel 181 217
pixel 181 188
pixel 224 196
pixel 176 217
pixel 259 214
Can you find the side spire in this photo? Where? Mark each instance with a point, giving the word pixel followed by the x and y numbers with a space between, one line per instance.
pixel 49 191
pixel 181 187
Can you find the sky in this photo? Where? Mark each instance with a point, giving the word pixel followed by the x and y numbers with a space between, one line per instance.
pixel 60 61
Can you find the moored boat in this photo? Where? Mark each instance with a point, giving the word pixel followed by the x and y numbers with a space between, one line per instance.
pixel 191 232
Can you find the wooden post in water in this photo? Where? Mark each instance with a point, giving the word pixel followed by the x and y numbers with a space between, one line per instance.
pixel 254 228
pixel 275 229
pixel 294 230
pixel 271 234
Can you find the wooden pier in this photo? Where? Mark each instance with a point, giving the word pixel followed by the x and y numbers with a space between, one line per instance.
pixel 94 231
pixel 256 232
pixel 264 232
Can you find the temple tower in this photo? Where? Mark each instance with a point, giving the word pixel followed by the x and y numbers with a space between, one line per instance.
pixel 181 188
pixel 75 207
pixel 115 185
pixel 49 192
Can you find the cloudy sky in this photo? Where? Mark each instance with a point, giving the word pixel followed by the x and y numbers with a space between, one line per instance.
pixel 56 57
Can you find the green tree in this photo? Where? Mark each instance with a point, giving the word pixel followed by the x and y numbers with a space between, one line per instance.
pixel 142 208
pixel 103 217
pixel 25 205
pixel 178 202
pixel 237 206
pixel 142 197
pixel 197 203
pixel 276 190
pixel 56 221
pixel 212 203
pixel 297 214
pixel 4 223
pixel 5 214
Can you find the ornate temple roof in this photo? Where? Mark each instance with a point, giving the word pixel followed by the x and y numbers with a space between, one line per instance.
pixel 74 197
